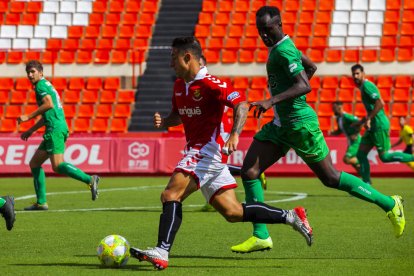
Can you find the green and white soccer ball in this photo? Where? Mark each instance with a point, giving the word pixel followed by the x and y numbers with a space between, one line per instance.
pixel 113 251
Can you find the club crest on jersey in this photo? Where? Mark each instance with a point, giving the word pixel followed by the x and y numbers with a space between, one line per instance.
pixel 197 95
pixel 190 112
pixel 233 95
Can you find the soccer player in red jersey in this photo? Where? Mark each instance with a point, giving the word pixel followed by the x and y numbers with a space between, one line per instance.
pixel 198 103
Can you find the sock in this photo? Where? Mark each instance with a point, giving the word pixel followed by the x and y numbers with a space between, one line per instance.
pixel 364 191
pixel 170 221
pixel 2 202
pixel 396 156
pixel 234 170
pixel 164 253
pixel 39 181
pixel 364 169
pixel 73 172
pixel 254 193
pixel 261 212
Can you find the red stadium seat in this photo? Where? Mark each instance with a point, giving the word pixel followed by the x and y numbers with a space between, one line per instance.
pixel 369 55
pixel 258 83
pixel 326 5
pixel 388 41
pixel 405 54
pixel 94 83
pixel 261 55
pixel 315 82
pixel 241 83
pixel 321 30
pixel 107 96
pixel 323 17
pixel 12 19
pixel 59 84
pixel 346 95
pixel 119 125
pixel 212 56
pixel 109 31
pixel 330 82
pixel 122 111
pixel 327 95
pixel 401 95
pixel 312 96
pixel 99 125
pixel 133 6
pixel 202 31
pixel 346 82
pixel 101 57
pixel 316 55
pixel 66 57
pixel 96 19
pixel 146 19
pixel 402 81
pixel 74 31
pixel 18 97
pixel 13 111
pixel 225 6
pixel 70 110
pixel 119 56
pixel 325 109
pixel 92 32
pixel 304 30
pixel 28 18
pixel 126 96
pixel 4 98
pixel 308 5
pixel 242 6
pixel 384 82
pixel 235 31
pixel 387 55
pixel 399 109
pixel 359 110
pixel 325 123
pixel 218 31
pixel 8 125
pixel 71 96
pixel 254 95
pixel 112 19
pixel 81 125
pixel 76 83
pixel 407 28
pixel 99 6
pixel 129 19
pixel 111 83
pixel 84 57
pixel 86 111
pixel 390 29
pixel 351 55
pixel 229 56
pixel 238 18
pixel 31 55
pixel 90 96
pixel 222 18
pixel 333 55
pixel 385 94
pixel 116 6
pixel 246 56
pixel 34 7
pixel 14 57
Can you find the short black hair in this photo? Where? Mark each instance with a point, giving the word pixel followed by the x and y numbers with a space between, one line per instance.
pixel 356 67
pixel 271 11
pixel 34 64
pixel 338 103
pixel 188 43
pixel 204 59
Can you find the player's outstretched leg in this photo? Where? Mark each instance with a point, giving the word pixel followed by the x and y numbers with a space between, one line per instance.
pixel 93 186
pixel 153 255
pixel 7 211
pixel 396 216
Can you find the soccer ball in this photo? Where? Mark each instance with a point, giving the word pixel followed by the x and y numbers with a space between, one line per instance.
pixel 113 251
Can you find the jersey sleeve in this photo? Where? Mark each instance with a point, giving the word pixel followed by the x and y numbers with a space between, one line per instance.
pixel 41 90
pixel 227 94
pixel 290 59
pixel 408 130
pixel 371 90
pixel 351 118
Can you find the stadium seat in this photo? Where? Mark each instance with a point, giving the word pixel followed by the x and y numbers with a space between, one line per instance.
pixel 28 19
pixel 304 30
pixel 254 95
pixel 18 97
pixel 13 111
pixel 330 82
pixel 324 109
pixel 242 6
pixel 70 110
pixel 107 96
pixel 351 55
pixel 215 43
pixel 388 41
pixel 401 95
pixel 76 83
pixel 387 55
pixel 6 84
pixel 122 111
pixel 369 55
pixel 92 32
pixel 34 7
pixel 111 83
pixel 240 82
pixel 262 55
pixel 333 55
pixel 315 82
pixel 146 19
pixel 119 125
pixel 246 56
pixel 96 19
pixel 8 125
pixel 251 124
pixel 346 82
pixel 101 57
pixel 129 19
pixel 407 28
pixel 399 109
pixel 126 96
pixel 66 57
pixel 321 30
pixel 71 96
pixel 31 55
pixel 238 18
pixel 346 95
pixel 385 94
pixel 90 96
pixel 59 84
pixel 116 6
pixel 258 83
pixel 402 82
pixel 112 19
pixel 99 6
pixel 316 55
pixel 25 126
pixel 359 110
pixel 235 31
pixel 49 57
pixel 14 57
pixel 312 96
pixel 88 44
pixel 384 81
pixel 218 31
pixel 86 111
pixel 118 56
pixel 326 5
pixel 222 18
pixel 390 29
pixel 23 84
pixel 4 98
pixel 81 125
pixel 325 123
pixel 251 31
pixel 202 31
pixel 327 95
pixel 99 125
pixel 84 57
pixel 75 31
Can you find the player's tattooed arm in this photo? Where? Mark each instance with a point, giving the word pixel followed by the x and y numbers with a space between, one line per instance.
pixel 239 117
pixel 310 67
pixel 173 119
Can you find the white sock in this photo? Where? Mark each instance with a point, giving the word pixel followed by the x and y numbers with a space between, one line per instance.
pixel 290 219
pixel 163 252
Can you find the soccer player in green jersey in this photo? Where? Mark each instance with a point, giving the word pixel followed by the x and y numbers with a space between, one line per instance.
pixel 7 211
pixel 345 123
pixel 53 145
pixel 295 126
pixel 377 126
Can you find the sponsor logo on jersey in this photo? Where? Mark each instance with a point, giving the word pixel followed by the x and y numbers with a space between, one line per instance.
pixel 233 95
pixel 197 95
pixel 292 67
pixel 190 112
pixel 178 93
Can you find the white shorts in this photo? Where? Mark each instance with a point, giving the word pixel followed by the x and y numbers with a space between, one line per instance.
pixel 208 170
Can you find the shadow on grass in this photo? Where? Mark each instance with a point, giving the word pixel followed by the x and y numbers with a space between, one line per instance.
pixel 133 267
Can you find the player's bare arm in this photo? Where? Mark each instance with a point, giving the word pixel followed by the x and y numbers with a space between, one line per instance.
pixel 173 119
pixel 239 119
pixel 300 87
pixel 25 135
pixel 310 67
pixel 47 104
pixel 379 104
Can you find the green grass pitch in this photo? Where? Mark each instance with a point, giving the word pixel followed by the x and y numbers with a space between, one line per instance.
pixel 352 237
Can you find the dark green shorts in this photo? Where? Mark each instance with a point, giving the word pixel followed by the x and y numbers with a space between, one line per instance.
pixel 305 138
pixel 379 138
pixel 352 149
pixel 54 142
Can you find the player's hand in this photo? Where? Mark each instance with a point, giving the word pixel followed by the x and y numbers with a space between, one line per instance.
pixel 231 145
pixel 157 120
pixel 25 135
pixel 367 124
pixel 22 118
pixel 260 107
pixel 358 125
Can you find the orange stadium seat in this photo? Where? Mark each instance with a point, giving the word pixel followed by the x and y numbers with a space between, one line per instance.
pixel 70 44
pixel 321 30
pixel 88 44
pixel 119 125
pixel 407 16
pixel 312 96
pixel 232 43
pixel 76 83
pixel 96 19
pixel 369 55
pixel 225 6
pixel 99 6
pixel 99 125
pixel 327 95
pixel 66 57
pixel 2 54
pixel 387 55
pixel 261 55
pixel 143 32
pixel 212 56
pixel 408 5
pixel 34 7
pixel 4 97
pixel 330 82
pixel 325 109
pixel 385 94
pixel 23 84
pixel 90 96
pixel 254 95
pixel 49 57
pixel 308 5
pixel 289 18
pixel 202 31
pixel 390 29
pixel 146 19
pixel 393 5
pixel 28 19
pixel 346 95
pixel 119 56
pixel 18 97
pixel 351 55
pixel 306 17
pixel 402 81
pixel 276 3
pixel 319 43
pixel 8 125
pixel 14 57
pixel 405 54
pixel 101 56
pixel 235 31
pixel 291 5
pixel 70 110
pixel 133 6
pixel 71 96
pixel 109 31
pixel 209 6
pixel 149 6
pixel 222 18
pixel 25 126
pixel 17 7
pixel 54 44
pixel 325 123
pixel 111 83
pixel 75 31
pixel 304 29
pixel 218 31
pixel 240 82
pixel 205 18
pixel 122 111
pixel 107 96
pixel 238 18
pixel 257 4
pixel 122 44
pixel 94 83
pixel 258 83
pixel 31 55
pixel 4 6
pixel 399 109
pixel 59 84
pixel 116 6
pixel 302 43
pixel 326 5
pixel 412 110
pixel 84 57
pixel 242 6
pixel 315 82
pixel 86 111
pixel 322 17
pixel 391 16
pixel 6 84
pixel 215 43
pixel 406 41
pixel 359 110
pixel 13 111
pixel 126 96
pixel 92 32
pixel 251 31
pixel 12 19
pixel 401 95
pixel 384 82
pixel 81 125
pixel 249 43
pixel 112 18
pixel 407 28
pixel 251 124
pixel 333 55
pixel 246 56
pixel 129 19
pixel 346 82
pixel 136 56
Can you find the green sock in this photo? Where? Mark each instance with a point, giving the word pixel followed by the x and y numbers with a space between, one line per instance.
pixel 39 181
pixel 396 157
pixel 72 171
pixel 364 169
pixel 2 202
pixel 364 191
pixel 254 193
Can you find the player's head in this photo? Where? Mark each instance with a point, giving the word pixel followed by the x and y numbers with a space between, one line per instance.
pixel 358 74
pixel 402 121
pixel 203 61
pixel 185 55
pixel 269 25
pixel 34 71
pixel 338 108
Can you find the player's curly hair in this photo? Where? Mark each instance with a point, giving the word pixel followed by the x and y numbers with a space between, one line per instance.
pixel 271 11
pixel 356 67
pixel 34 64
pixel 188 43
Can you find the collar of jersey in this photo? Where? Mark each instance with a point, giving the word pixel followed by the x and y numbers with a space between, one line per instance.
pixel 280 42
pixel 200 75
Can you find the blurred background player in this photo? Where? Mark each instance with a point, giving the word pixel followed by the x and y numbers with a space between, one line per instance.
pixel 7 211
pixel 406 136
pixel 377 126
pixel 344 122
pixel 226 125
pixel 296 126
pixel 198 102
pixel 53 144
